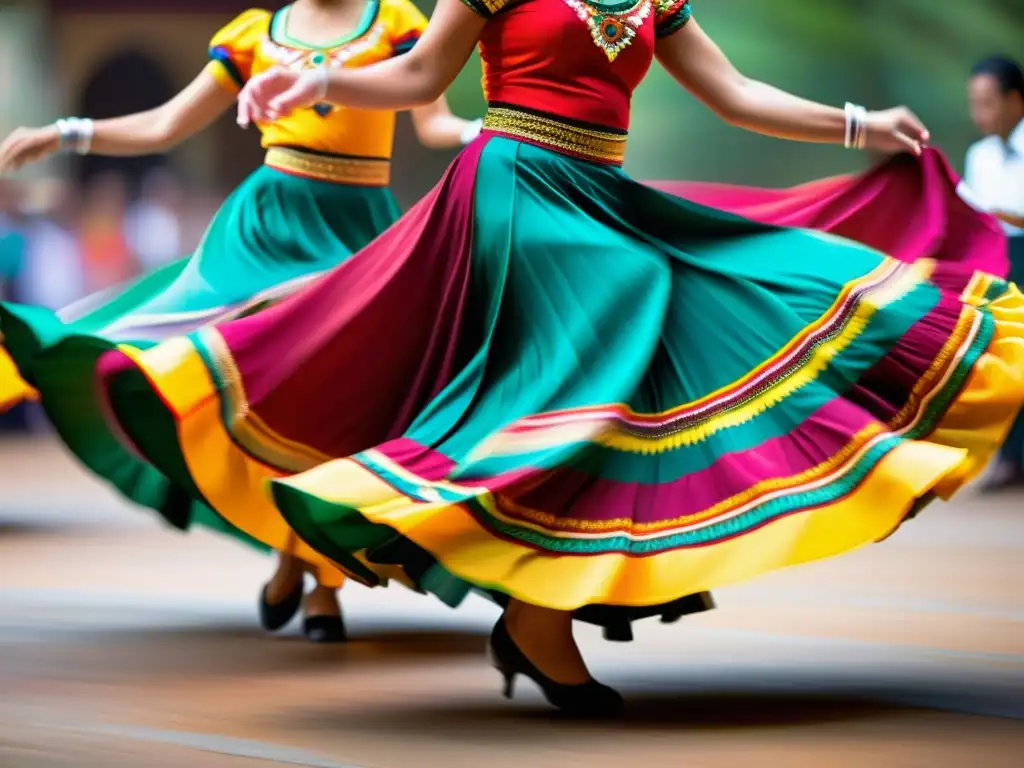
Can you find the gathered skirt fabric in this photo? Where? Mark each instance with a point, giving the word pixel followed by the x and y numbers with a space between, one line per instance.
pixel 906 207
pixel 551 382
pixel 13 388
pixel 272 235
pixel 1012 451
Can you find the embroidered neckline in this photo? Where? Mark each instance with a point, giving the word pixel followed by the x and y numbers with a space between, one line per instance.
pixel 612 25
pixel 296 58
pixel 279 29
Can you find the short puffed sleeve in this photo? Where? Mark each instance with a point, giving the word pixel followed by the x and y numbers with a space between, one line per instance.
pixel 670 16
pixel 489 8
pixel 405 24
pixel 232 48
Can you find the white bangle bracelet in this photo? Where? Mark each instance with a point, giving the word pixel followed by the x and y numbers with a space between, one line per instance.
pixel 319 75
pixel 471 131
pixel 76 134
pixel 862 133
pixel 856 134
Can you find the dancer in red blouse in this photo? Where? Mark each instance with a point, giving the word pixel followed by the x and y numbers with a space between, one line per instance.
pixel 579 395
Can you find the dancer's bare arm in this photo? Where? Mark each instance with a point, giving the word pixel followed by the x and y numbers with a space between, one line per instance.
pixel 437 128
pixel 700 66
pixel 1014 220
pixel 143 133
pixel 415 79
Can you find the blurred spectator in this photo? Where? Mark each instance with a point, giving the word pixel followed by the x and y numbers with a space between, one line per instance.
pixel 995 180
pixel 202 205
pixel 995 164
pixel 13 245
pixel 55 250
pixel 153 222
pixel 12 241
pixel 51 275
pixel 107 257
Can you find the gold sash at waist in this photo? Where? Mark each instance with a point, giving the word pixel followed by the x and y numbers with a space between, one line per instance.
pixel 360 171
pixel 603 146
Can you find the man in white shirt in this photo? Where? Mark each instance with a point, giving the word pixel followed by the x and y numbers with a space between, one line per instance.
pixel 994 177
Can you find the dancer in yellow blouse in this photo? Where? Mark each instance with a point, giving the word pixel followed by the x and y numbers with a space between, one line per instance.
pixel 321 195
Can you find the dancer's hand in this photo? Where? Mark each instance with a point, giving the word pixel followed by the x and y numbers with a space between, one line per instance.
pixel 278 92
pixel 28 145
pixel 896 130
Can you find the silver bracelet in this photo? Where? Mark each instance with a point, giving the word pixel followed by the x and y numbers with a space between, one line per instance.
pixel 75 134
pixel 856 135
pixel 471 131
pixel 862 133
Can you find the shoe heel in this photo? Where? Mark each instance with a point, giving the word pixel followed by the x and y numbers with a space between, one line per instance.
pixel 508 677
pixel 510 684
pixel 324 629
pixel 590 699
pixel 275 616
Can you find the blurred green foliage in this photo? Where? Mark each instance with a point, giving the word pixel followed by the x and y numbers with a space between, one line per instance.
pixel 875 52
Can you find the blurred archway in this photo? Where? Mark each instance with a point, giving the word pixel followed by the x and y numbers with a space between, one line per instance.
pixel 129 81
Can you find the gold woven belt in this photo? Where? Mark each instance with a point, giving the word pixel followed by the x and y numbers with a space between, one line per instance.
pixel 589 143
pixel 362 171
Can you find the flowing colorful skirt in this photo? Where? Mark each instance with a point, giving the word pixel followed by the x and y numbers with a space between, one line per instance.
pixel 907 207
pixel 1012 451
pixel 548 381
pixel 275 232
pixel 13 389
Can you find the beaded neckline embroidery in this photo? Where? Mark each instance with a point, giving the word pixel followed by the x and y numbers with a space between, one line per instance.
pixel 612 26
pixel 301 59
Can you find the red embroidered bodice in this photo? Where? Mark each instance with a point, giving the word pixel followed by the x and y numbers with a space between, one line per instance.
pixel 572 59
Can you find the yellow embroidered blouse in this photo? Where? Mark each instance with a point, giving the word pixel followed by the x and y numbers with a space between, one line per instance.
pixel 258 40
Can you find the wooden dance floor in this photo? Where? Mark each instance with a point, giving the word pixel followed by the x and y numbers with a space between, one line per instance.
pixel 126 645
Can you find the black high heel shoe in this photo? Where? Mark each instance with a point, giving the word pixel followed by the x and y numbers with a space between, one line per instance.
pixel 325 629
pixel 274 616
pixel 590 699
